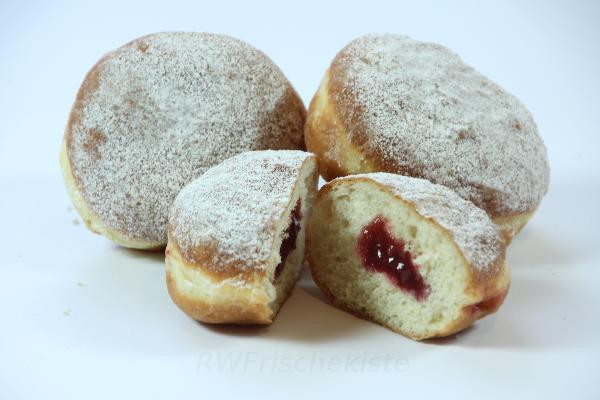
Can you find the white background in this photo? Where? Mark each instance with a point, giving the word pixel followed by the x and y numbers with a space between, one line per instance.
pixel 82 318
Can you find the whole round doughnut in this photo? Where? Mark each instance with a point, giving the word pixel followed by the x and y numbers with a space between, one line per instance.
pixel 393 104
pixel 156 113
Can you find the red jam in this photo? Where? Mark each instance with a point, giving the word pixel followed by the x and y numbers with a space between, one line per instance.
pixel 288 244
pixel 381 252
pixel 486 306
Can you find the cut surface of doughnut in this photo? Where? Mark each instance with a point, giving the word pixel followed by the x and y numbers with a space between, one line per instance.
pixel 405 253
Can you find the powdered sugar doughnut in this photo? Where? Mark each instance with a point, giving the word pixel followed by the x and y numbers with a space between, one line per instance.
pixel 390 103
pixel 236 236
pixel 159 111
pixel 406 253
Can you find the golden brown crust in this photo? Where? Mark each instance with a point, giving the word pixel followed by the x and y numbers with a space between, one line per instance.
pixel 326 135
pixel 202 258
pixel 488 287
pixel 492 297
pixel 89 85
pixel 230 307
pixel 218 314
pixel 512 224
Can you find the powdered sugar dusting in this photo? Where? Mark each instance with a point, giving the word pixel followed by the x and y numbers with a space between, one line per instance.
pixel 235 207
pixel 426 113
pixel 475 234
pixel 167 107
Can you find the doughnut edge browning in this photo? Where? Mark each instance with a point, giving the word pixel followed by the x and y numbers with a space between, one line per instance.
pixel 325 135
pixel 91 221
pixel 237 310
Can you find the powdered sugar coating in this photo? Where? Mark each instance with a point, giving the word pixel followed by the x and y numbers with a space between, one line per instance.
pixel 232 209
pixel 476 235
pixel 157 112
pixel 420 111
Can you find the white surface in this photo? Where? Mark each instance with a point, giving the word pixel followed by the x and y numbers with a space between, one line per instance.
pixel 82 318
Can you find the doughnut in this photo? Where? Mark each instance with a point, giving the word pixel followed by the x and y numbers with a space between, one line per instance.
pixel 406 253
pixel 389 103
pixel 156 113
pixel 236 236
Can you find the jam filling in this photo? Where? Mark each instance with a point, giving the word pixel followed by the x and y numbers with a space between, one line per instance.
pixel 381 252
pixel 288 244
pixel 485 306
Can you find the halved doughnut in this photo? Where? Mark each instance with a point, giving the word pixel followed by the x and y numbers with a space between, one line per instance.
pixel 406 253
pixel 236 236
